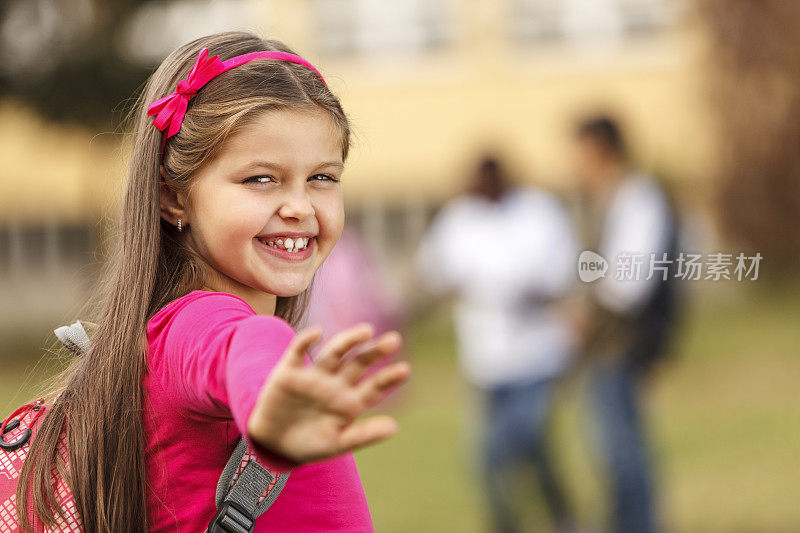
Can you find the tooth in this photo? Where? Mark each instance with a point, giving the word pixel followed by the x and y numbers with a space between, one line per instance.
pixel 288 243
pixel 271 243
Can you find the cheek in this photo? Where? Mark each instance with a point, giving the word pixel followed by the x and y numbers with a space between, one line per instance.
pixel 330 216
pixel 229 224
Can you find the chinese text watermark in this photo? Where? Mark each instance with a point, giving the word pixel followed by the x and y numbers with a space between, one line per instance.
pixel 630 266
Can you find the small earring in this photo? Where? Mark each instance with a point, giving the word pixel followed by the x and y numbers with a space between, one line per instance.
pixel 180 228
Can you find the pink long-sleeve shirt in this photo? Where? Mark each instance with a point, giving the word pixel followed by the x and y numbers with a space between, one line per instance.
pixel 209 355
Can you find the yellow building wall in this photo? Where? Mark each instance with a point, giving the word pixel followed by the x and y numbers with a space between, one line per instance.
pixel 50 171
pixel 420 136
pixel 421 121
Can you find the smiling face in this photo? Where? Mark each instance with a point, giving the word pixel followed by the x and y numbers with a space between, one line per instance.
pixel 278 175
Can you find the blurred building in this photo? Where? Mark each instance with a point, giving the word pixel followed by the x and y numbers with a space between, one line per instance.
pixel 427 83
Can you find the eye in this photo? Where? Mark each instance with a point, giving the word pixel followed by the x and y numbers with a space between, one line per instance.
pixel 326 177
pixel 252 178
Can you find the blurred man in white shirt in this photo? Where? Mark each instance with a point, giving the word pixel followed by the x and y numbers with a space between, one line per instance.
pixel 507 254
pixel 628 220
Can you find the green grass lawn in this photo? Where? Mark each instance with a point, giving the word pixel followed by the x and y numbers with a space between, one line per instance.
pixel 723 414
pixel 724 419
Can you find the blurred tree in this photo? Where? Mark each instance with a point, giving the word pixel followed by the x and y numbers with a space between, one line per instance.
pixel 62 58
pixel 755 91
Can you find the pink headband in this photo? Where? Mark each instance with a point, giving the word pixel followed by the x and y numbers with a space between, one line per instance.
pixel 171 109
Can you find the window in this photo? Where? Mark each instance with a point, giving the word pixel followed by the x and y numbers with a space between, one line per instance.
pixel 538 20
pixel 76 243
pixel 646 16
pixel 364 27
pixel 582 20
pixel 38 248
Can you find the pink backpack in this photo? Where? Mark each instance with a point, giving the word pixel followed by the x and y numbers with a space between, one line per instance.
pixel 246 488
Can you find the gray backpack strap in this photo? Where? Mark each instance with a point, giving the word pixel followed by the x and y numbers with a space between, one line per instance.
pixel 74 337
pixel 244 497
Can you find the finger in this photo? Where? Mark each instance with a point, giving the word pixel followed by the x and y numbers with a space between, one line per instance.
pixel 353 368
pixel 370 431
pixel 334 350
pixel 300 344
pixel 374 387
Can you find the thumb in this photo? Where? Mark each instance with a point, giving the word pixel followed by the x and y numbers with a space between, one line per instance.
pixel 305 338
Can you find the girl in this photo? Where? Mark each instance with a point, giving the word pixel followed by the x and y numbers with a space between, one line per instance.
pixel 226 217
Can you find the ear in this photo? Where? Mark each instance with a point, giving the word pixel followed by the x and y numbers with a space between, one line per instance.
pixel 173 205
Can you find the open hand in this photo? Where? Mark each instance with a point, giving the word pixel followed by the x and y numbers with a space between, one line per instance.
pixel 307 412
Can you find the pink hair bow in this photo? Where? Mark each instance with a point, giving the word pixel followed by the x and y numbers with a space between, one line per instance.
pixel 171 109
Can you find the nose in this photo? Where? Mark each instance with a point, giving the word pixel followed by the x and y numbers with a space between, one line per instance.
pixel 296 204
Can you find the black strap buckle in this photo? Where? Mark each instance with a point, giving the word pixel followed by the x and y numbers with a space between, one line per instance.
pixel 231 518
pixel 17 443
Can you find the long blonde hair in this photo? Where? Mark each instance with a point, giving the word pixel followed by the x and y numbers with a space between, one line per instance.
pixel 99 399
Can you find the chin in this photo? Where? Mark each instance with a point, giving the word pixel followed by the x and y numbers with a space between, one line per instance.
pixel 288 294
pixel 286 285
pixel 287 291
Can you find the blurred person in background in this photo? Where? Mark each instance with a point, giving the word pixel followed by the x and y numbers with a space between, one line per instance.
pixel 507 254
pixel 625 322
pixel 353 286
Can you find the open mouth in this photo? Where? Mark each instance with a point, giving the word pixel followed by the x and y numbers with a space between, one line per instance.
pixel 290 245
pixel 288 249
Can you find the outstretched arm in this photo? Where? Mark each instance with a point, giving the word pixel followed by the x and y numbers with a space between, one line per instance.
pixel 218 357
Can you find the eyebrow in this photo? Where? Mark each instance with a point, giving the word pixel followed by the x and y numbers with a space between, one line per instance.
pixel 259 163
